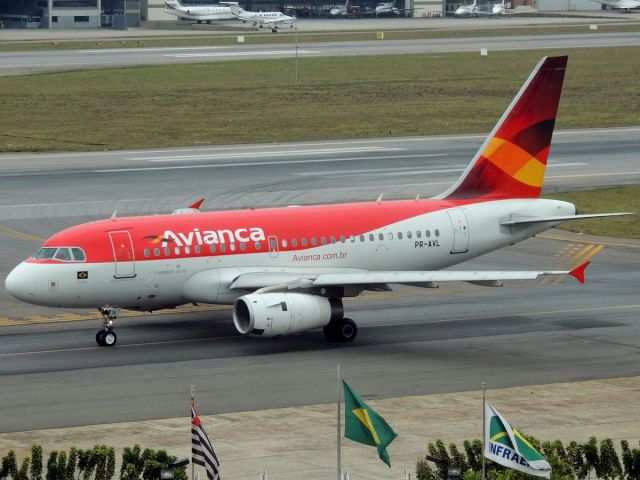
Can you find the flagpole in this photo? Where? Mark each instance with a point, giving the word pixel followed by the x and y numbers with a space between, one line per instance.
pixel 484 428
pixel 193 405
pixel 339 445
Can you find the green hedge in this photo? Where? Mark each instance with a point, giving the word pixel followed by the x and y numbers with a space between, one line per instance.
pixel 575 461
pixel 97 463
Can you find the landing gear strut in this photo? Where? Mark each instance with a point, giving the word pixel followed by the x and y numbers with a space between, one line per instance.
pixel 341 330
pixel 106 337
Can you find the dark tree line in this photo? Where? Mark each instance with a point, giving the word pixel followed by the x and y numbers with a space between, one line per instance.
pixel 97 463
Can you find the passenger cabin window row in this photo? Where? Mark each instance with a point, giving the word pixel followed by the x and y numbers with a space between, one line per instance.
pixel 294 242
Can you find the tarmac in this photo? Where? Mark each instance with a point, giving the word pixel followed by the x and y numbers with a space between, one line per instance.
pixel 300 442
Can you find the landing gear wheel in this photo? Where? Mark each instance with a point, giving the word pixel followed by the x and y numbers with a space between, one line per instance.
pixel 109 338
pixel 343 330
pixel 106 337
pixel 347 330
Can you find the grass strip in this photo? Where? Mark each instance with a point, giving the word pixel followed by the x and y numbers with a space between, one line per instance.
pixel 605 200
pixel 286 36
pixel 341 97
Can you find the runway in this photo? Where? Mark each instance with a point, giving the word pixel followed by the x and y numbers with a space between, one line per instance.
pixel 13 63
pixel 411 341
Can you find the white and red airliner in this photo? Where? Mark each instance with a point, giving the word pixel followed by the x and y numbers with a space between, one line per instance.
pixel 286 270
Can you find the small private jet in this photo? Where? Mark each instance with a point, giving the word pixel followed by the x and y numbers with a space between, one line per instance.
pixel 200 13
pixel 467 10
pixel 625 5
pixel 389 8
pixel 261 19
pixel 346 10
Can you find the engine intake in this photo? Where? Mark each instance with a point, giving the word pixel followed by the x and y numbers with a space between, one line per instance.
pixel 272 314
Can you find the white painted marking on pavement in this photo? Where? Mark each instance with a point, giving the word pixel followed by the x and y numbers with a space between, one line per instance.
pixel 240 54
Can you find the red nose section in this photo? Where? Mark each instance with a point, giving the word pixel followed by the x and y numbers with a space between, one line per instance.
pixel 578 272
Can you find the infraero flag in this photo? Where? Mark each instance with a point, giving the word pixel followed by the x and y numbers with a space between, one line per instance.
pixel 362 424
pixel 509 448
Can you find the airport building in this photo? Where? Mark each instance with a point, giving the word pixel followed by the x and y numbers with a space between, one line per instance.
pixel 133 13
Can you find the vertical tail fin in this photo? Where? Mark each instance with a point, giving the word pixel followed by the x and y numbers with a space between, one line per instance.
pixel 512 161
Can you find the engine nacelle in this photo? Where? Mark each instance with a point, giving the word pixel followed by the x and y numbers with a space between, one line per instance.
pixel 272 314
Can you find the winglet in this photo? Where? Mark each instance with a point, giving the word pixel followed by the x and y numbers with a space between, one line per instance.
pixel 578 272
pixel 197 205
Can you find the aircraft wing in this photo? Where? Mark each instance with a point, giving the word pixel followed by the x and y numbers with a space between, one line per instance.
pixel 427 279
pixel 272 21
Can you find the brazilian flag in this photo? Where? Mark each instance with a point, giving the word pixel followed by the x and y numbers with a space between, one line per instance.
pixel 362 424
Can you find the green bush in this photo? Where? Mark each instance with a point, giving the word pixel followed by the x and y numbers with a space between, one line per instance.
pixel 589 460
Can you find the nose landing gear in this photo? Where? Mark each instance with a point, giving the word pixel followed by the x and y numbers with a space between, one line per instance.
pixel 106 337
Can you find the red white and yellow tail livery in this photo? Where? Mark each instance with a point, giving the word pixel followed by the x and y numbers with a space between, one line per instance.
pixel 286 270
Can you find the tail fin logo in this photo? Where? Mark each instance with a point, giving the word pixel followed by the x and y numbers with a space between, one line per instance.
pixel 512 161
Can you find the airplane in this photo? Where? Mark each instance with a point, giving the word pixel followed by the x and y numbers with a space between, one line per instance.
pixel 286 270
pixel 626 5
pixel 346 10
pixel 465 10
pixel 499 9
pixel 201 13
pixel 384 8
pixel 260 19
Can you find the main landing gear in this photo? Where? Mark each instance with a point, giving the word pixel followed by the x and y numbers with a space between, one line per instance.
pixel 106 337
pixel 341 330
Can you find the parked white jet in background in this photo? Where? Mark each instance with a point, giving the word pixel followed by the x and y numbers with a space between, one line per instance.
pixel 464 10
pixel 201 13
pixel 260 19
pixel 499 9
pixel 384 8
pixel 346 10
pixel 623 4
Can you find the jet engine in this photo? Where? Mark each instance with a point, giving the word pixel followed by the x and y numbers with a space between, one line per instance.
pixel 272 314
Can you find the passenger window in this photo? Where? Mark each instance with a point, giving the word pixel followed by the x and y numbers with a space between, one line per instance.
pixel 176 250
pixel 352 238
pixel 381 236
pixel 399 235
pixel 343 239
pixel 212 248
pixel 273 243
pixel 78 254
pixel 437 232
pixel 147 252
pixel 333 239
pixel 304 242
pixel 187 250
pixel 45 253
pixel 314 241
pixel 323 240
pixel 232 247
pixel 371 237
pixel 63 254
pixel 284 244
pixel 409 235
pixel 258 245
pixel 294 242
pixel 197 249
pixel 167 251
pixel 223 247
pixel 419 234
pixel 390 235
pixel 362 238
pixel 156 252
pixel 243 246
pixel 428 233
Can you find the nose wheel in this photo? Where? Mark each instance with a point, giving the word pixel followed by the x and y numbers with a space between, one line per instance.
pixel 106 337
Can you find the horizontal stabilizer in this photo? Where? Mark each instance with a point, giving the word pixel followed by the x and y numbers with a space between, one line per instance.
pixel 522 220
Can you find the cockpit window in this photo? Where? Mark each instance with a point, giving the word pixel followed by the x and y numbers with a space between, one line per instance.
pixel 63 254
pixel 45 253
pixel 78 255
